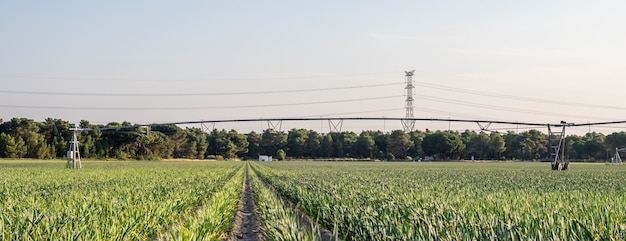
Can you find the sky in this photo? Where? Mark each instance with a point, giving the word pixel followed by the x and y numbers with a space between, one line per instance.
pixel 166 61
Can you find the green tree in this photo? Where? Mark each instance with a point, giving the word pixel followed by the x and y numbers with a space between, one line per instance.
pixel 513 143
pixel 8 147
pixel 296 141
pixel 348 138
pixel 312 145
pixel 443 144
pixel 496 144
pixel 533 145
pixel 594 145
pixel 240 141
pixel 399 143
pixel 570 150
pixel 30 143
pixel 118 144
pixel 227 144
pixel 57 134
pixel 254 144
pixel 381 140
pixel 364 145
pixel 153 146
pixel 280 155
pixel 89 140
pixel 194 145
pixel 417 137
pixel 478 145
pixel 326 146
pixel 615 140
pixel 272 140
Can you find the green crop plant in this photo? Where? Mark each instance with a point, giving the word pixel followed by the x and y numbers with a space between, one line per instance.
pixel 42 200
pixel 278 221
pixel 215 218
pixel 457 201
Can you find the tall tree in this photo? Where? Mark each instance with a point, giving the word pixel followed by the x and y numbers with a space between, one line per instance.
pixel 326 146
pixel 272 141
pixel 443 144
pixel 399 144
pixel 312 144
pixel 8 147
pixel 348 138
pixel 254 144
pixel 616 140
pixel 57 134
pixel 364 145
pixel 296 140
pixel 417 137
pixel 496 144
pixel 478 145
pixel 240 141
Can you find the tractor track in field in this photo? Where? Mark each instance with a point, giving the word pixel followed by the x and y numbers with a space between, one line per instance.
pixel 304 219
pixel 247 226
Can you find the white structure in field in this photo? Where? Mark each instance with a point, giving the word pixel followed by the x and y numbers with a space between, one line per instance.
pixel 265 158
pixel 73 154
pixel 616 158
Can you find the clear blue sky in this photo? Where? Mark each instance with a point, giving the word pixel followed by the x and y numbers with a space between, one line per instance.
pixel 532 61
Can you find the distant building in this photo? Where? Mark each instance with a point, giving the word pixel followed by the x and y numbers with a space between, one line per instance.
pixel 265 158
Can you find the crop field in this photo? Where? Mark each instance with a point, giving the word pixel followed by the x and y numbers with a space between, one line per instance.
pixel 42 200
pixel 457 201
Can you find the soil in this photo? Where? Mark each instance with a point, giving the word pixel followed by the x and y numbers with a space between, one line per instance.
pixel 247 222
pixel 304 219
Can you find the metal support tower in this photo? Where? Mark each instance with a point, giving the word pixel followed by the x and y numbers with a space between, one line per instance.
pixel 616 158
pixel 335 127
pixel 556 146
pixel 207 127
pixel 278 126
pixel 73 154
pixel 409 124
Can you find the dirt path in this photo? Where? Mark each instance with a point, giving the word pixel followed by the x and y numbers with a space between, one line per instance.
pixel 323 233
pixel 247 222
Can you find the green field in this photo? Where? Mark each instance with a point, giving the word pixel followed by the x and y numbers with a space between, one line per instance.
pixel 41 200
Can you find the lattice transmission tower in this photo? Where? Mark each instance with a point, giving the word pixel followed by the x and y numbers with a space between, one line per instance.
pixel 409 124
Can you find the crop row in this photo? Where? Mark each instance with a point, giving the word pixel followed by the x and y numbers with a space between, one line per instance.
pixel 279 220
pixel 457 201
pixel 117 200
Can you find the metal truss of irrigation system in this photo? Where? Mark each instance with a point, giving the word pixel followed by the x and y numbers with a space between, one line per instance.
pixel 556 142
pixel 484 124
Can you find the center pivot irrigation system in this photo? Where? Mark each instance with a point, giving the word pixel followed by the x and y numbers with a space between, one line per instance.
pixel 556 132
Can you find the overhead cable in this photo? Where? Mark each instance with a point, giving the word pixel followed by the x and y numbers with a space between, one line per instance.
pixel 195 108
pixel 494 107
pixel 512 97
pixel 194 94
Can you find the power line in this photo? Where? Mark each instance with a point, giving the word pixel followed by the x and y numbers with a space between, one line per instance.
pixel 512 97
pixel 446 113
pixel 494 107
pixel 284 77
pixel 193 94
pixel 196 108
pixel 353 113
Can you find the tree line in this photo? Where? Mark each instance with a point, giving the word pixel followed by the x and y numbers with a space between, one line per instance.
pixel 26 138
